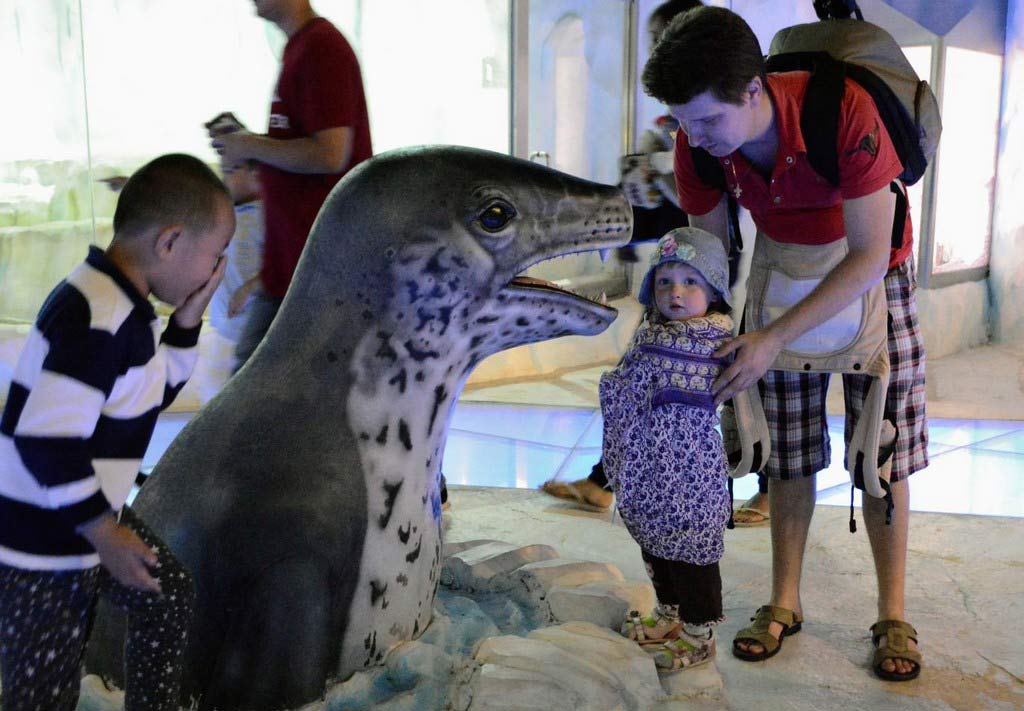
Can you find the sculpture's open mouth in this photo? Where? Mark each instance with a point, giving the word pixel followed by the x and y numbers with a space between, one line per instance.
pixel 542 285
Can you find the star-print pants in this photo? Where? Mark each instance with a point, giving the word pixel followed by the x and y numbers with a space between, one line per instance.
pixel 46 617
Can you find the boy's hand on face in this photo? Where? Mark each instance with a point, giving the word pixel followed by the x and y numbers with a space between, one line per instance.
pixel 190 313
pixel 125 556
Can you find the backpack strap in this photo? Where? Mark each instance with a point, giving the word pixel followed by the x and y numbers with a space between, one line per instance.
pixel 709 170
pixel 819 117
pixel 899 220
pixel 748 443
pixel 754 439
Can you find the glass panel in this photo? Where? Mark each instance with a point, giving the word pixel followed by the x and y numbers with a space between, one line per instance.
pixel 967 159
pixel 577 103
pixel 155 71
pixel 436 72
pixel 49 192
pixel 194 59
pixel 920 58
pixel 577 85
pixel 45 211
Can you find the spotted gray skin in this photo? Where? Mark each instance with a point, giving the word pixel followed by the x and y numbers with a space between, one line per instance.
pixel 305 497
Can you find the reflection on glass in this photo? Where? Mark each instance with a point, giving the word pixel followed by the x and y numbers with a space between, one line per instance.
pixel 577 98
pixel 436 72
pixel 577 85
pixel 967 160
pixel 154 71
pixel 45 210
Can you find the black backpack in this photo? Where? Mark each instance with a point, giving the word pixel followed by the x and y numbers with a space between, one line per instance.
pixel 832 49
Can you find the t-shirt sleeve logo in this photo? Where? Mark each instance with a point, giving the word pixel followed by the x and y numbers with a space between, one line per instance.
pixel 868 144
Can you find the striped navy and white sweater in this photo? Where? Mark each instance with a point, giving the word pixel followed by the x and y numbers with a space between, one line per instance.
pixel 93 376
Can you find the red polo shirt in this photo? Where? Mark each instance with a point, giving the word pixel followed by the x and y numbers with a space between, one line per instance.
pixel 797 205
pixel 320 87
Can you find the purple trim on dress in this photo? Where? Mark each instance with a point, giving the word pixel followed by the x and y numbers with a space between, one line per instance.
pixel 670 396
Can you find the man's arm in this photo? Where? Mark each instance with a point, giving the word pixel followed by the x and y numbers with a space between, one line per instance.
pixel 326 151
pixel 868 223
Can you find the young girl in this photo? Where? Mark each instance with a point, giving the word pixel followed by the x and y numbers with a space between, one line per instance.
pixel 662 454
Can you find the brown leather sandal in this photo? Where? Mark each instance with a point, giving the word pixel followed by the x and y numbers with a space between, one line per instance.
pixel 568 491
pixel 897 633
pixel 758 632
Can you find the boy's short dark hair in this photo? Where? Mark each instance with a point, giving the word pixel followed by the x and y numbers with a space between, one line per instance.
pixel 705 49
pixel 174 188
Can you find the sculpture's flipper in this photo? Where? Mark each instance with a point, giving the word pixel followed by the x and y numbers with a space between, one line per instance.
pixel 280 646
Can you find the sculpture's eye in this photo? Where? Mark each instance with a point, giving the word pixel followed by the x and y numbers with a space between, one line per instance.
pixel 496 215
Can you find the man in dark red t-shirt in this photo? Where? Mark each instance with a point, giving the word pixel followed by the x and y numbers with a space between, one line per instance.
pixel 318 130
pixel 709 69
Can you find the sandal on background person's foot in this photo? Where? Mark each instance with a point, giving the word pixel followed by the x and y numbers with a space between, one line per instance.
pixel 897 635
pixel 683 652
pixel 653 629
pixel 585 494
pixel 758 633
pixel 749 514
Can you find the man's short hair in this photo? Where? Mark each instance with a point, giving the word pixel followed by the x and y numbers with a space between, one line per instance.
pixel 174 188
pixel 705 49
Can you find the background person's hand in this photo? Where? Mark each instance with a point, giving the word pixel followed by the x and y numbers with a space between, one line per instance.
pixel 190 313
pixel 240 296
pixel 754 354
pixel 125 556
pixel 232 147
pixel 115 182
pixel 224 122
pixel 638 181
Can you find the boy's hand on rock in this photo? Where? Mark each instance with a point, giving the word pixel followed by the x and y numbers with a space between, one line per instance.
pixel 125 556
pixel 190 313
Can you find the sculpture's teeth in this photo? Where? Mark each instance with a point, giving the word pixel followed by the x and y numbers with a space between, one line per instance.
pixel 605 253
pixel 603 300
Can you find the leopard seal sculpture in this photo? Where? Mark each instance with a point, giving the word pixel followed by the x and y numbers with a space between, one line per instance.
pixel 305 497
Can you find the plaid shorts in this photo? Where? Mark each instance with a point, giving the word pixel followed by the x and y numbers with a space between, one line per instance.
pixel 794 403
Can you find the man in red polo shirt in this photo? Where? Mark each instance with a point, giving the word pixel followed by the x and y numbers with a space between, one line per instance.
pixel 319 130
pixel 709 69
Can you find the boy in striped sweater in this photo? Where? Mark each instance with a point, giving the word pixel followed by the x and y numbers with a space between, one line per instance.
pixel 94 374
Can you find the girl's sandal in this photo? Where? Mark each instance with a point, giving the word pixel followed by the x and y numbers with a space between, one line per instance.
pixel 651 630
pixel 683 652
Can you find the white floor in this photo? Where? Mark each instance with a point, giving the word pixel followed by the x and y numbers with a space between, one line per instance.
pixel 977 466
